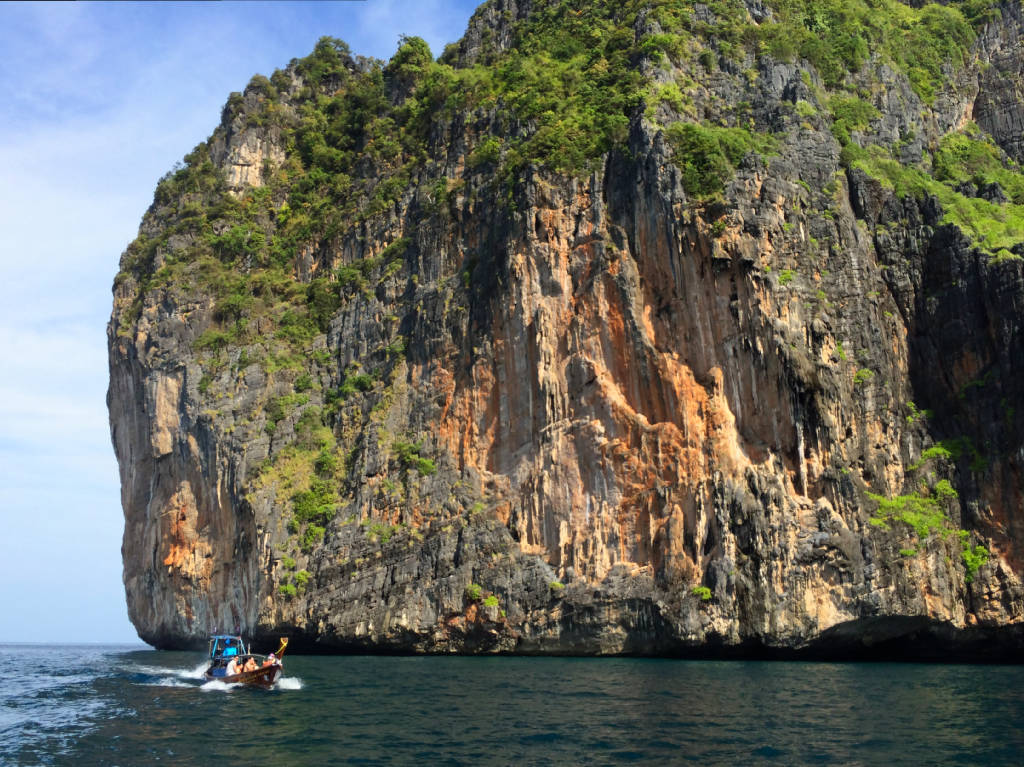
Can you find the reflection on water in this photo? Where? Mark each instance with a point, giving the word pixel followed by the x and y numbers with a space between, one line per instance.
pixel 102 706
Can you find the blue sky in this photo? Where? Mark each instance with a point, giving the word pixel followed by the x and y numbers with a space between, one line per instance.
pixel 100 100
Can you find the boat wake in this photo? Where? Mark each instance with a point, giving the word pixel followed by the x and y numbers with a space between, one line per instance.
pixel 167 681
pixel 161 676
pixel 285 683
pixel 215 685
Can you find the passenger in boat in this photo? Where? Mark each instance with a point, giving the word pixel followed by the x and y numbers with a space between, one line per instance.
pixel 232 668
pixel 250 664
pixel 271 660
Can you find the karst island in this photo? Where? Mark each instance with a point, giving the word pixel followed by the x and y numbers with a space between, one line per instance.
pixel 640 327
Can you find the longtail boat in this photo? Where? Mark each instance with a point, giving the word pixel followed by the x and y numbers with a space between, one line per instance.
pixel 228 655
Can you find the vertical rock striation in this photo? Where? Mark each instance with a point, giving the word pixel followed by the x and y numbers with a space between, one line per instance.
pixel 389 373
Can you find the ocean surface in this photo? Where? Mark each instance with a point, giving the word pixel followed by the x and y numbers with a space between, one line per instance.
pixel 113 705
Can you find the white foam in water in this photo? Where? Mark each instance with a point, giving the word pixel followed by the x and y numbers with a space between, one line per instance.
pixel 169 681
pixel 171 677
pixel 181 673
pixel 218 686
pixel 139 669
pixel 289 683
pixel 197 673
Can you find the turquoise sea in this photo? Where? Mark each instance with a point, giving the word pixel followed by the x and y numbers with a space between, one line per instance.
pixel 114 705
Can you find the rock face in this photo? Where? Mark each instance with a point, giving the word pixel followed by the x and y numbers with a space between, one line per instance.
pixel 443 397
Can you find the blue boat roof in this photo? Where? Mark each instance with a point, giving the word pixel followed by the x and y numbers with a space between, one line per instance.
pixel 225 636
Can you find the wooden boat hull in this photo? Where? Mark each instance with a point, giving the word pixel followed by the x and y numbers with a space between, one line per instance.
pixel 265 676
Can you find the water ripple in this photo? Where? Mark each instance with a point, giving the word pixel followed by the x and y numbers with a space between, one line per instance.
pixel 109 706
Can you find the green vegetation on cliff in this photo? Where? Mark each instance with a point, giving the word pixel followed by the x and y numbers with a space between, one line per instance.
pixel 840 36
pixel 564 92
pixel 926 514
pixel 362 147
pixel 963 161
pixel 707 156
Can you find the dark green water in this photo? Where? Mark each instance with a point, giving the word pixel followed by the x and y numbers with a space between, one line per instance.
pixel 108 706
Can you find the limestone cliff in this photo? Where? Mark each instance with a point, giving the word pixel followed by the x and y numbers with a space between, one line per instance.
pixel 622 327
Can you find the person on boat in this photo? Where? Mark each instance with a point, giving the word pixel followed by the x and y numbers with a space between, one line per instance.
pixel 250 664
pixel 271 660
pixel 232 668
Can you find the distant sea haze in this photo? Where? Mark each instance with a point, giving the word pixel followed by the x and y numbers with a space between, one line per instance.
pixel 118 705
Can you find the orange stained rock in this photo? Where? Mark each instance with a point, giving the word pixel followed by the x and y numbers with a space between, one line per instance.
pixel 186 550
pixel 1004 499
pixel 181 536
pixel 966 369
pixel 468 424
pixel 935 605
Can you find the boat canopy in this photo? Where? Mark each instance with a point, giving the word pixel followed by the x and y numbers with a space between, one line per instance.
pixel 226 646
